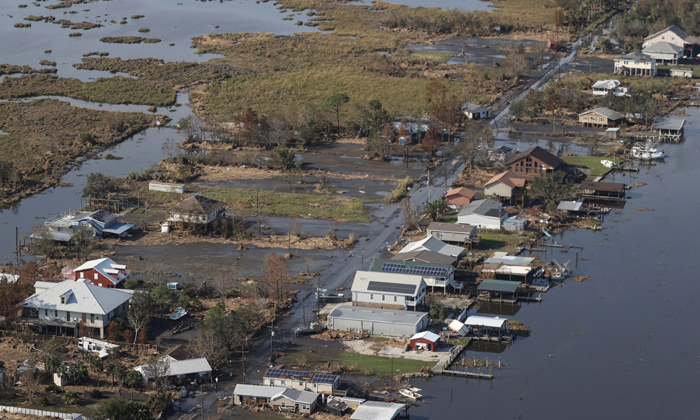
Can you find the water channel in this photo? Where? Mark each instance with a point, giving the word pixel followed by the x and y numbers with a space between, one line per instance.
pixel 621 345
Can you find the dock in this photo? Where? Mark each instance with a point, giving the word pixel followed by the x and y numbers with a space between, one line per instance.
pixel 446 361
pixel 468 374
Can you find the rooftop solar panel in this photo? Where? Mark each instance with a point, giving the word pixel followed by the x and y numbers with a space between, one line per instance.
pixel 391 287
pixel 416 269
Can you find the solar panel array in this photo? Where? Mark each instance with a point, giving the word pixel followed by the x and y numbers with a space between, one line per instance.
pixel 421 270
pixel 323 378
pixel 377 286
pixel 276 373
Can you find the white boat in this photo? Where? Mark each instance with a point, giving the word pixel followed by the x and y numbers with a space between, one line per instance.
pixel 647 151
pixel 608 163
pixel 410 394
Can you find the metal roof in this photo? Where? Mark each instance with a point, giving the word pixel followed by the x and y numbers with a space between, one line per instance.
pixel 374 314
pixel 468 106
pixel 606 112
pixel 570 205
pixel 483 207
pixel 662 48
pixel 504 258
pixel 303 397
pixel 606 84
pixel 504 286
pixel 636 56
pixel 426 335
pixel 485 321
pixel 257 390
pixel 394 283
pixel 377 410
pixel 118 228
pixel 106 267
pixel 603 186
pixel 424 256
pixel 434 244
pixel 189 366
pixel 452 227
pixel 668 124
pixel 82 297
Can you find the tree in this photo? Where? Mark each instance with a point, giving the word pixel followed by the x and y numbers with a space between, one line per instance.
pixel 162 299
pixel 283 157
pixel 442 105
pixel 77 373
pixel 143 336
pixel 160 402
pixel 97 365
pixel 436 209
pixel 276 277
pixel 604 43
pixel 552 187
pixel 158 370
pixel 141 310
pixel 99 185
pixel 115 331
pixel 411 214
pixel 437 309
pixel 51 363
pixel 250 126
pixel 431 142
pixel 71 397
pixel 517 109
pixel 118 408
pixel 32 381
pixel 335 103
pixel 133 379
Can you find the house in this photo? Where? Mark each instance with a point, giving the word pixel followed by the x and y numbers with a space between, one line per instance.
pixel 675 36
pixel 609 190
pixel 454 232
pixel 60 307
pixel 501 153
pixel 600 117
pixel 320 382
pixel 475 112
pixel 103 272
pixel 486 326
pixel 425 340
pixel 686 72
pixel 99 223
pixel 387 290
pixel 425 256
pixel 196 209
pixel 295 401
pixel 385 322
pixel 180 371
pixel 634 64
pixel 485 214
pixel 570 206
pixel 500 265
pixel 434 244
pixel 255 395
pixel 377 410
pixel 534 161
pixel 459 196
pixel 664 52
pixel 514 223
pixel 166 187
pixel 411 129
pixel 669 128
pixel 610 87
pixel 506 185
pixel 434 275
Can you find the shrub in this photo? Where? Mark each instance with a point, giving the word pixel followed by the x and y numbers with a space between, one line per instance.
pixel 96 394
pixel 71 397
pixel 54 388
pixel 43 401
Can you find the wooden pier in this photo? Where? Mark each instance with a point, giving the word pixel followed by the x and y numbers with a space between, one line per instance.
pixel 468 374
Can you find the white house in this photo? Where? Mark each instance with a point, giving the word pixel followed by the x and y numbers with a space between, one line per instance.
pixel 672 35
pixel 196 209
pixel 486 214
pixel 475 112
pixel 635 64
pixel 60 307
pixel 387 290
pixel 610 87
pixel 431 243
pixel 664 52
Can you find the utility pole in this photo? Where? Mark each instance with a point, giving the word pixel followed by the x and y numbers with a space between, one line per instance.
pixel 362 256
pixel 243 360
pixel 201 397
pixel 429 200
pixel 272 334
pixel 257 210
pixel 444 157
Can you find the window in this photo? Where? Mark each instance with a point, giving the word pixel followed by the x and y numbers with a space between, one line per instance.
pixel 383 296
pixel 371 296
pixel 63 299
pixel 67 316
pixel 394 298
pixel 95 276
pixel 82 275
pixel 92 318
pixel 55 314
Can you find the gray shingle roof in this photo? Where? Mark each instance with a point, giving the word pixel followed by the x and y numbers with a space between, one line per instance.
pixel 468 106
pixel 635 56
pixel 662 48
pixel 538 153
pixel 425 256
pixel 676 30
pixel 482 207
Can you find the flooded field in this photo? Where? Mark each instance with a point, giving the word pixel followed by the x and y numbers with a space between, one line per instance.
pixel 466 5
pixel 619 345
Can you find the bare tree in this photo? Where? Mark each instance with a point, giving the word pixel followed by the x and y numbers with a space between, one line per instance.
pixel 276 277
pixel 411 214
pixel 32 382
pixel 158 369
pixel 158 273
pixel 141 310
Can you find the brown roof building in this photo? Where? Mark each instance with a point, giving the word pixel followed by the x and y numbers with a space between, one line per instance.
pixel 533 162
pixel 460 196
pixel 603 189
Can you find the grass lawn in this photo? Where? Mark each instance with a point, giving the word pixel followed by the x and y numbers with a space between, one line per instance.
pixel 498 242
pixel 382 365
pixel 591 162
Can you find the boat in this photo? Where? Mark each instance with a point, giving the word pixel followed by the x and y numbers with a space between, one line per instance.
pixel 179 313
pixel 559 271
pixel 608 163
pixel 313 328
pixel 647 151
pixel 410 394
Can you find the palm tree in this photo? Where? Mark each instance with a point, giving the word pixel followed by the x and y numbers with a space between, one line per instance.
pixel 77 372
pixel 51 363
pixel 436 209
pixel 97 366
pixel 61 371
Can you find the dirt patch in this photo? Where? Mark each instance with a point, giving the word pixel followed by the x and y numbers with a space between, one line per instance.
pixel 390 348
pixel 475 178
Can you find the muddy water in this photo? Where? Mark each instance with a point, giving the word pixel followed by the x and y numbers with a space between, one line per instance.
pixel 621 345
pixel 172 22
pixel 138 153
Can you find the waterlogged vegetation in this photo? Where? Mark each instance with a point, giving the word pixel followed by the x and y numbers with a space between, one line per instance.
pixel 116 90
pixel 128 40
pixel 15 69
pixel 45 136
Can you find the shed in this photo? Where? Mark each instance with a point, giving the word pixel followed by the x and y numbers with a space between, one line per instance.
pixel 570 206
pixel 514 223
pixel 682 72
pixel 458 327
pixel 255 394
pixel 501 290
pixel 459 196
pixel 387 322
pixel 610 190
pixel 425 340
pixel 377 410
pixel 484 325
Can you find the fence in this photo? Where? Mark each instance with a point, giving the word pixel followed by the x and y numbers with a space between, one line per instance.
pixel 40 413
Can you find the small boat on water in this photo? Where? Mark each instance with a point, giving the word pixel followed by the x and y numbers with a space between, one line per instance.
pixel 647 151
pixel 410 394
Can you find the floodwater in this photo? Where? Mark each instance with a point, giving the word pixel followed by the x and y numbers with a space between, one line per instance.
pixel 621 345
pixel 172 22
